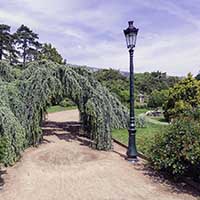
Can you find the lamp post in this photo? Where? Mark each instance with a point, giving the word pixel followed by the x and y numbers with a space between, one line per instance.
pixel 131 35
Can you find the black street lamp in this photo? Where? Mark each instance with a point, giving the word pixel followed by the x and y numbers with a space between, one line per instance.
pixel 131 35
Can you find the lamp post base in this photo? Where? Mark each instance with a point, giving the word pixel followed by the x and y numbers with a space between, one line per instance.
pixel 132 160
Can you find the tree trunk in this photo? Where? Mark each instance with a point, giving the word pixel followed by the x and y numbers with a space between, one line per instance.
pixel 1 50
pixel 24 53
pixel 24 58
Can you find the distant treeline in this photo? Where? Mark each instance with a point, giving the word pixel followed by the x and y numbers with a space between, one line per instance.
pixel 145 83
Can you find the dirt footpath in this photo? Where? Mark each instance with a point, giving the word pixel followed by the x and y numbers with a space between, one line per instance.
pixel 65 168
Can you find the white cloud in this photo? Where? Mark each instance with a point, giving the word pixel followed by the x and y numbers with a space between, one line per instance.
pixel 80 30
pixel 17 18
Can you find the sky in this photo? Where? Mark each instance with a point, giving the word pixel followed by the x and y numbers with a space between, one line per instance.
pixel 90 32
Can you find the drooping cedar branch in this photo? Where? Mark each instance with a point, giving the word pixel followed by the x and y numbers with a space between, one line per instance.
pixel 23 101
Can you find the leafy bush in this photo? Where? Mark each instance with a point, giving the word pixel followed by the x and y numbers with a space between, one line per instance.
pixel 140 105
pixel 67 103
pixel 184 96
pixel 177 150
pixel 157 98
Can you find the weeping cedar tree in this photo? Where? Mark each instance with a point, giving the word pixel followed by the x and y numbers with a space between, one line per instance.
pixel 24 101
pixel 27 42
pixel 7 49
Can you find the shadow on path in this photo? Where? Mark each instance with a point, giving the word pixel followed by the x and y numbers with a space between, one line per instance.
pixel 2 172
pixel 67 131
pixel 175 186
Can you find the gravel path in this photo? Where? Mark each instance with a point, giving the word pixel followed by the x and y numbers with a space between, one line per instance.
pixel 65 168
pixel 153 121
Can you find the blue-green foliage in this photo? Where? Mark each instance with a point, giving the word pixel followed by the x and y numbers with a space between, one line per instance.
pixel 23 102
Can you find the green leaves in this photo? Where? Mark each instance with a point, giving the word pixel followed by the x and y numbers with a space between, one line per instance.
pixel 26 41
pixel 185 95
pixel 177 150
pixel 23 101
pixel 158 98
pixel 49 52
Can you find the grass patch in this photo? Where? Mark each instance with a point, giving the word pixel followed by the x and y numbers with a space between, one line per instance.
pixel 58 108
pixel 140 111
pixel 144 136
pixel 160 119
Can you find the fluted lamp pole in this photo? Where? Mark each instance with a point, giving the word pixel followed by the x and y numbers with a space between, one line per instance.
pixel 131 36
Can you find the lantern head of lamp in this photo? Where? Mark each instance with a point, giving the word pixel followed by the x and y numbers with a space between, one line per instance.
pixel 131 35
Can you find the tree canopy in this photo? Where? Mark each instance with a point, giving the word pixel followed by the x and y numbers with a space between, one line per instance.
pixel 49 52
pixel 27 42
pixel 145 83
pixel 5 40
pixel 185 95
pixel 158 98
pixel 23 46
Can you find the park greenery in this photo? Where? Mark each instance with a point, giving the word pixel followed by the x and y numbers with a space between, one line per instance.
pixel 35 79
pixel 177 149
pixel 145 83
pixel 23 102
pixel 185 95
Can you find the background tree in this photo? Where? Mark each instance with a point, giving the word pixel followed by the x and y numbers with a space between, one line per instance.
pixel 148 82
pixel 13 53
pixel 27 42
pixel 5 37
pixel 49 52
pixel 184 96
pixel 157 98
pixel 115 82
pixel 145 83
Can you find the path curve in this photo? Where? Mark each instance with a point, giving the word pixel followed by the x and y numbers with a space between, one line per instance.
pixel 65 168
pixel 153 121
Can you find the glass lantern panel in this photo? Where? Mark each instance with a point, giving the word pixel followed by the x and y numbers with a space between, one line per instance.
pixel 127 40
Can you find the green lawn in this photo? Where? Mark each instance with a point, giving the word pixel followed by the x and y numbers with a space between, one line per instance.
pixel 160 118
pixel 58 108
pixel 144 136
pixel 139 111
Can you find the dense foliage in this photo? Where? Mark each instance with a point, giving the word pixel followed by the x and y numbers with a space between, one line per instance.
pixel 149 84
pixel 185 95
pixel 177 150
pixel 115 82
pixel 158 98
pixel 49 52
pixel 27 43
pixel 24 100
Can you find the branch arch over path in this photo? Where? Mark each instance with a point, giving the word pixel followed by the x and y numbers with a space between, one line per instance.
pixel 24 98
